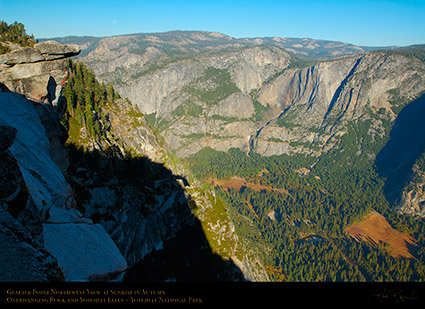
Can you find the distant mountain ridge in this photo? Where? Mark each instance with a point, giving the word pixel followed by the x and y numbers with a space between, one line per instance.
pixel 302 47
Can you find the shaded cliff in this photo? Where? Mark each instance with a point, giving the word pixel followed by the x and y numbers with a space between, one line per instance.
pixel 399 162
pixel 23 257
pixel 148 214
pixel 125 180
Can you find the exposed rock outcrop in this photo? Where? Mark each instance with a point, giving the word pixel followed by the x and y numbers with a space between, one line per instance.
pixel 83 251
pixel 413 201
pixel 37 73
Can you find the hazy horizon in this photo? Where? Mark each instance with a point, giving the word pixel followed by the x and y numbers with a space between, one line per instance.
pixel 157 32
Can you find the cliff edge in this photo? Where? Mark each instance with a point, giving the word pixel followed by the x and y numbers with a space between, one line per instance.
pixel 44 237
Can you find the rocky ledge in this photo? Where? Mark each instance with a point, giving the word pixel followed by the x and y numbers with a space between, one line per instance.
pixel 37 72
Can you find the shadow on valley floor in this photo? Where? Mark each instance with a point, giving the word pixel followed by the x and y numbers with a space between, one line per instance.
pixel 141 184
pixel 405 146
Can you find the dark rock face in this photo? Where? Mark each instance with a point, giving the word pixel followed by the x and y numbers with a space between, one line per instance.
pixel 396 161
pixel 23 257
pixel 10 182
pixel 13 191
pixel 147 213
pixel 184 258
pixel 7 136
pixel 55 133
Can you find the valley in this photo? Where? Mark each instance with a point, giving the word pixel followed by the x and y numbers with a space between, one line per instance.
pixel 267 159
pixel 288 144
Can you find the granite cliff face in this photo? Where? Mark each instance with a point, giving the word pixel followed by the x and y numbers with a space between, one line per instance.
pixel 177 82
pixel 318 102
pixel 401 161
pixel 207 90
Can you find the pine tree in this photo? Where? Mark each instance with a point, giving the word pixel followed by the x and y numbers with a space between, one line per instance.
pixel 110 93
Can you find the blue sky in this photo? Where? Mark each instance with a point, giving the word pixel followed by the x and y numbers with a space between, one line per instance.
pixel 361 22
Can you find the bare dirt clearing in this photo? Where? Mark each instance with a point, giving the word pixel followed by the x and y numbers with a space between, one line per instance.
pixel 237 183
pixel 374 228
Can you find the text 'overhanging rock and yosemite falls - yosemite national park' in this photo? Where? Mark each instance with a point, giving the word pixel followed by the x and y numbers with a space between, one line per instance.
pixel 194 156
